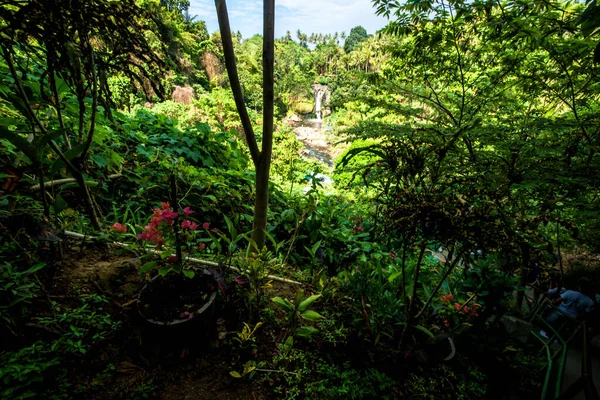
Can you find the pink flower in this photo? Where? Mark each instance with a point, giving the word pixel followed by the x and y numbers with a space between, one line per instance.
pixel 457 306
pixel 169 216
pixel 359 228
pixel 188 211
pixel 466 309
pixel 172 259
pixel 393 255
pixel 446 323
pixel 117 227
pixel 187 224
pixel 165 205
pixel 206 225
pixel 201 246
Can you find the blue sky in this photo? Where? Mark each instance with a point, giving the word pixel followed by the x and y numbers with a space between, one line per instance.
pixel 322 16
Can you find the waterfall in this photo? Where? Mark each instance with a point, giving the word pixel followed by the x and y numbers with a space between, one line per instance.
pixel 319 92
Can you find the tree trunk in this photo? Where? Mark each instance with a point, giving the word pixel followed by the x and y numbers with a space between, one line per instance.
pixel 262 158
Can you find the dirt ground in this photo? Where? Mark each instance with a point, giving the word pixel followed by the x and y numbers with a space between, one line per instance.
pixel 142 363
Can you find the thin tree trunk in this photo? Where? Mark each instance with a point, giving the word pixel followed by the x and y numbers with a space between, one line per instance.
pixel 262 158
pixel 264 165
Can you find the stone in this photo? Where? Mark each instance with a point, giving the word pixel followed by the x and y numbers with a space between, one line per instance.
pixel 517 328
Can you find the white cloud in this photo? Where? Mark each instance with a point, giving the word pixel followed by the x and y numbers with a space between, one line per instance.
pixel 322 16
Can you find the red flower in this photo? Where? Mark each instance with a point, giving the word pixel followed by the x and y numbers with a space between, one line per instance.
pixel 206 225
pixel 466 309
pixel 117 227
pixel 393 255
pixel 172 259
pixel 447 298
pixel 188 211
pixel 359 228
pixel 457 306
pixel 446 323
pixel 201 246
pixel 165 205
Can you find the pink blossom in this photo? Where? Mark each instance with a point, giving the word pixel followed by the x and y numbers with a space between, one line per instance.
pixel 446 323
pixel 457 306
pixel 393 255
pixel 117 227
pixel 466 309
pixel 169 216
pixel 359 228
pixel 188 211
pixel 165 205
pixel 187 224
pixel 206 225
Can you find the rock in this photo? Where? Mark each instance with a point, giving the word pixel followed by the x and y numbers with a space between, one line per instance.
pixel 183 94
pixel 517 328
pixel 295 118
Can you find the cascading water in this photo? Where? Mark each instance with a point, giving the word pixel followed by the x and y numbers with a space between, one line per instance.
pixel 319 91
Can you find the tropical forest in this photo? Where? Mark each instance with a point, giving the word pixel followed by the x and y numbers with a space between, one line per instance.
pixel 189 212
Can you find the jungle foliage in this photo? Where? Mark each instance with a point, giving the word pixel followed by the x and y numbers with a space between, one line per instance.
pixel 468 131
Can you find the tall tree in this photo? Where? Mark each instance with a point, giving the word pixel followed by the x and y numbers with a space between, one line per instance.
pixel 356 35
pixel 261 158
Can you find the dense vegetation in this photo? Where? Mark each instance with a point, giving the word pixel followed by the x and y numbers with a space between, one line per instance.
pixel 467 129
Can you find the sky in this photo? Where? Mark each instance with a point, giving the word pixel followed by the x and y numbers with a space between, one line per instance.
pixel 320 16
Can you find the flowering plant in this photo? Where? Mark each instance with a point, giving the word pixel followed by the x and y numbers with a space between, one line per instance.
pixel 169 235
pixel 454 313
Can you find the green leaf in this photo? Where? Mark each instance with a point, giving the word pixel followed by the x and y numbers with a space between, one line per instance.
pixel 394 276
pixel 188 273
pixel 287 346
pixel 306 331
pixel 20 143
pixel 99 160
pixel 163 271
pixel 35 268
pixel 59 204
pixel 425 330
pixel 304 304
pixel 235 374
pixel 311 315
pixel 285 304
pixel 147 267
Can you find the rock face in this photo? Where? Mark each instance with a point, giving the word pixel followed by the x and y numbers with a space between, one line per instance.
pixel 183 94
pixel 212 66
pixel 517 328
pixel 322 96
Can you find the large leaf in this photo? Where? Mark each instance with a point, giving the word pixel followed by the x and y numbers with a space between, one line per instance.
pixel 311 315
pixel 305 303
pixel 283 303
pixel 21 144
